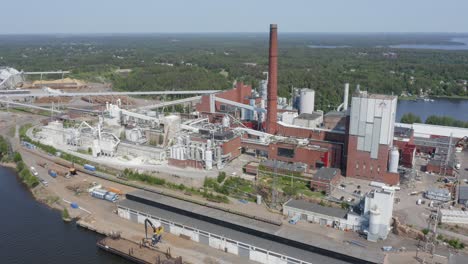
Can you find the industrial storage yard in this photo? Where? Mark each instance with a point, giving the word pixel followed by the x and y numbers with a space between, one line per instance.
pixel 243 175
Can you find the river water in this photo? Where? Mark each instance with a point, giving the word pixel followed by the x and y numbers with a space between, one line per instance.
pixel 456 108
pixel 30 232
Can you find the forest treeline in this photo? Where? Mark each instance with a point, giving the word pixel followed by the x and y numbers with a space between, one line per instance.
pixel 215 61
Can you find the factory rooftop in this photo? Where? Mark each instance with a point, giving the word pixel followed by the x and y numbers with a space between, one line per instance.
pixel 215 214
pixel 285 239
pixel 402 132
pixel 433 142
pixel 335 113
pixel 272 164
pixel 308 116
pixel 316 208
pixel 230 233
pixel 326 173
pixel 463 193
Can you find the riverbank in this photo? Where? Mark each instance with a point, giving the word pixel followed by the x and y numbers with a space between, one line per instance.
pixel 10 165
pixel 100 217
pixel 413 97
pixel 458 97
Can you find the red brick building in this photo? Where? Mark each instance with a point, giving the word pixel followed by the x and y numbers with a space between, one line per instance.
pixel 324 179
pixel 370 137
pixel 360 165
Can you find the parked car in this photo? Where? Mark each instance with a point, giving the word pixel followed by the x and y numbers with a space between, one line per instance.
pixel 33 171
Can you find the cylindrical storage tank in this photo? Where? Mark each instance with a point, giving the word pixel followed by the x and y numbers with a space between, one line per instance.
pixel 393 160
pixel 374 221
pixel 226 121
pixel 178 153
pixel 134 136
pixel 197 154
pixel 183 154
pixel 192 152
pixel 345 97
pixel 307 101
pixel 208 160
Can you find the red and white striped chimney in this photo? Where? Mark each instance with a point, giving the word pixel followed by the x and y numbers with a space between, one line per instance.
pixel 271 125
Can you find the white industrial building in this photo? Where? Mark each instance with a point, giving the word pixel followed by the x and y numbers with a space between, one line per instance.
pixel 312 120
pixel 453 216
pixel 325 216
pixel 378 209
pixel 442 195
pixel 426 130
pixel 372 120
pixel 100 141
pixel 375 219
pixel 9 78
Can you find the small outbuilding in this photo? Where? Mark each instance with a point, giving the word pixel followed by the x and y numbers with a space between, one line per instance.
pixel 326 216
pixel 463 195
pixel 324 179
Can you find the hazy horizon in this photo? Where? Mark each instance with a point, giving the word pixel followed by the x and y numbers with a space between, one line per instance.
pixel 241 16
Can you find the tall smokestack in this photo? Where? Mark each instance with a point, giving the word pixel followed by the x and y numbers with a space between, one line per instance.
pixel 272 81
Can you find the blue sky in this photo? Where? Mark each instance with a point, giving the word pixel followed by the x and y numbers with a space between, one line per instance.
pixel 138 16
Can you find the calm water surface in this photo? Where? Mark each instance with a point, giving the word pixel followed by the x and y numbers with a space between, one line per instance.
pixel 463 46
pixel 30 232
pixel 456 108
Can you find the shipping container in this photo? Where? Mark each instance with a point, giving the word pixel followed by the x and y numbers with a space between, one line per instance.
pixel 99 193
pixel 52 173
pixel 89 167
pixel 105 195
pixel 114 190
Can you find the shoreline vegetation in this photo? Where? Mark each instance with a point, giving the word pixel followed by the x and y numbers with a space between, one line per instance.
pixel 414 97
pixel 410 118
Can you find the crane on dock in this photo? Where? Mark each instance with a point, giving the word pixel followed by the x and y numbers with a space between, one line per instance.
pixel 157 233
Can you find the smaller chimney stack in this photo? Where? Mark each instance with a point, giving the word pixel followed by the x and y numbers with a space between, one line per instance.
pixel 345 98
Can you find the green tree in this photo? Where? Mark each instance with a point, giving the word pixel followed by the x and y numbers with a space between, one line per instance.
pixel 17 157
pixel 410 118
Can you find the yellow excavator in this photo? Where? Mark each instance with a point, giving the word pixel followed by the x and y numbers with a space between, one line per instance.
pixel 157 233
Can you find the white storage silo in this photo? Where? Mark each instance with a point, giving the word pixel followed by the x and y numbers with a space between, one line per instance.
pixel 208 160
pixel 178 153
pixel 307 101
pixel 393 160
pixel 345 97
pixel 374 221
pixel 226 121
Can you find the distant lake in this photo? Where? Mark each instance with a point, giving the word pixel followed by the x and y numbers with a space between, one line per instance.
pixel 456 108
pixel 463 46
pixel 459 44
pixel 328 46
